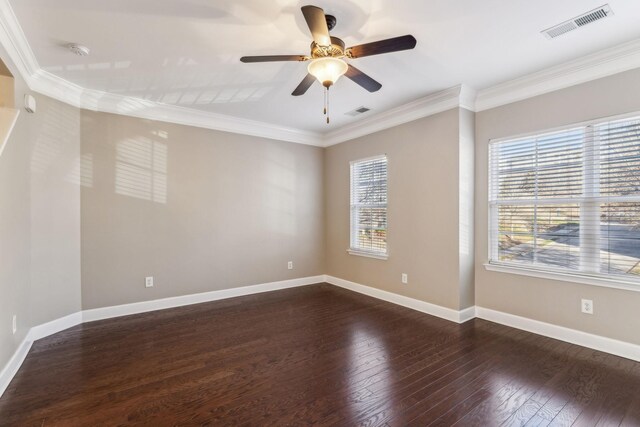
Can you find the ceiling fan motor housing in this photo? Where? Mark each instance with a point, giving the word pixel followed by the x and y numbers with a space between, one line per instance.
pixel 335 50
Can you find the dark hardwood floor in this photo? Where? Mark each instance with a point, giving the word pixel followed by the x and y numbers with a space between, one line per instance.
pixel 316 355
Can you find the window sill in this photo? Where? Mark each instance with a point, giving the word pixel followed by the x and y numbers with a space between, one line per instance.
pixel 566 277
pixel 375 255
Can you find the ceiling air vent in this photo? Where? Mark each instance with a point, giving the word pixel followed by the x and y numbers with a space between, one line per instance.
pixel 358 111
pixel 579 21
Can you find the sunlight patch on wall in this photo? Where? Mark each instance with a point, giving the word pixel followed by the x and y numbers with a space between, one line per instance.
pixel 160 133
pixel 46 150
pixel 141 169
pixel 279 197
pixel 81 172
pixel 54 153
pixel 86 170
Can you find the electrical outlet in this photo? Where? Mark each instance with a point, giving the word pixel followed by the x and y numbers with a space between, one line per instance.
pixel 148 282
pixel 405 278
pixel 290 265
pixel 587 306
pixel 14 324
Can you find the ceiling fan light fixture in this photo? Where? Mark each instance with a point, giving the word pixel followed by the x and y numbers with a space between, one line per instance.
pixel 327 70
pixel 328 53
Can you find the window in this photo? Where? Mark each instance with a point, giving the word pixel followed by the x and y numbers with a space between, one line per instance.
pixel 569 201
pixel 369 207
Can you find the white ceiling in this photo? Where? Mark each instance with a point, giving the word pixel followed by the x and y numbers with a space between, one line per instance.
pixel 186 52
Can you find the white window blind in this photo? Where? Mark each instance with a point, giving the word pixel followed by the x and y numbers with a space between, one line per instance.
pixel 569 200
pixel 369 205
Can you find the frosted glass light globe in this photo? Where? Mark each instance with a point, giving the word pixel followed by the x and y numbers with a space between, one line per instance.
pixel 327 70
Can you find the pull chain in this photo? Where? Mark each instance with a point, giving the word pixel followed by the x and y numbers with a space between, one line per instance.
pixel 327 104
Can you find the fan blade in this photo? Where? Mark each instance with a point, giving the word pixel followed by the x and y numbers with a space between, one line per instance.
pixel 273 58
pixel 362 79
pixel 304 85
pixel 382 46
pixel 317 23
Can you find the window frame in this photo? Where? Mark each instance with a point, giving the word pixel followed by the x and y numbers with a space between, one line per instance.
pixel 352 231
pixel 548 272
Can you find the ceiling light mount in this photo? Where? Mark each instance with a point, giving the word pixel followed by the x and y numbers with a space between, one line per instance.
pixel 331 21
pixel 78 49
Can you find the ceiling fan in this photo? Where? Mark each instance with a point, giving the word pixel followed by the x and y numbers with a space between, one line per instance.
pixel 328 55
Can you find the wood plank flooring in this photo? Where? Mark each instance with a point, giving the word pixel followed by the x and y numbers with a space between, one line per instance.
pixel 315 355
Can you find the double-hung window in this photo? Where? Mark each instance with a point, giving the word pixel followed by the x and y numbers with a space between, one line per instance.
pixel 369 207
pixel 569 200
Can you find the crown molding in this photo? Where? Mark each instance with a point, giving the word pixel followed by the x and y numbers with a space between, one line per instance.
pixel 423 107
pixel 15 42
pixel 94 100
pixel 13 39
pixel 597 65
pixel 600 64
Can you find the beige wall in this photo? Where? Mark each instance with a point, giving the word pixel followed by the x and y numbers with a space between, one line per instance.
pixel 423 212
pixel 55 210
pixel 14 237
pixel 616 311
pixel 39 218
pixel 199 210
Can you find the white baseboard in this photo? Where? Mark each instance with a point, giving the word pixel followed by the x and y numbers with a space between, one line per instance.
pixel 35 333
pixel 467 314
pixel 54 326
pixel 161 304
pixel 57 325
pixel 573 336
pixel 596 342
pixel 415 304
pixel 11 368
